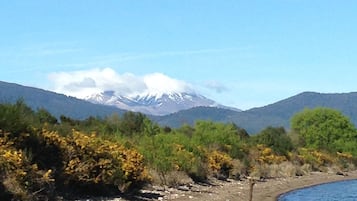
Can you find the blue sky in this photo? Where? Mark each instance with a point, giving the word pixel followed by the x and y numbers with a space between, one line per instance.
pixel 240 53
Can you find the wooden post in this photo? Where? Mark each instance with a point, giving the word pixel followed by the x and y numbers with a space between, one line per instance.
pixel 251 184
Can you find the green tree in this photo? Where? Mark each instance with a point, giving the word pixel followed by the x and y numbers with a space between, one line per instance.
pixel 69 121
pixel 16 118
pixel 150 128
pixel 276 139
pixel 324 128
pixel 132 123
pixel 45 117
pixel 224 137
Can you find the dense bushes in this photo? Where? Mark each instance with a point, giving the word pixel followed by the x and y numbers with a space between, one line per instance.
pixel 327 129
pixel 89 161
pixel 169 152
pixel 20 178
pixel 41 157
pixel 276 139
pixel 79 164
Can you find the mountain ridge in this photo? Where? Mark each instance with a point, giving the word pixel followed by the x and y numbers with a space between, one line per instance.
pixel 154 104
pixel 253 120
pixel 275 114
pixel 56 104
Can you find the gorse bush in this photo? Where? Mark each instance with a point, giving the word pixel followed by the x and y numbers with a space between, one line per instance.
pixel 316 159
pixel 262 159
pixel 88 160
pixel 220 164
pixel 20 179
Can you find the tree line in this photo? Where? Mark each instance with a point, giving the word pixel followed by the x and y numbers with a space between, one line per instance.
pixel 45 157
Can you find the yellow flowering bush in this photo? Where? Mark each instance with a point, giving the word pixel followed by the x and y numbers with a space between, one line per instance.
pixel 219 163
pixel 20 178
pixel 315 158
pixel 265 155
pixel 88 159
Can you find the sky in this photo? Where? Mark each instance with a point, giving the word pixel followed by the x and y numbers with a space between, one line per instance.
pixel 239 53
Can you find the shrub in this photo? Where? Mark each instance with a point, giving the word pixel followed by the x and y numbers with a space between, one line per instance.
pixel 173 178
pixel 325 129
pixel 267 156
pixel 20 179
pixel 169 152
pixel 276 139
pixel 240 168
pixel 315 158
pixel 220 164
pixel 218 136
pixel 260 171
pixel 288 169
pixel 284 169
pixel 345 160
pixel 91 162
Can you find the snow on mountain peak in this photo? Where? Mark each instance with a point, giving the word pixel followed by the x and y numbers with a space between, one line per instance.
pixel 153 93
pixel 156 103
pixel 159 84
pixel 84 83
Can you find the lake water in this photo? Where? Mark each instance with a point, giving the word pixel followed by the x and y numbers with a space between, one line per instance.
pixel 338 191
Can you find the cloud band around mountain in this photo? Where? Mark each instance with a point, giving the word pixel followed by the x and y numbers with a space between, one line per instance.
pixel 88 82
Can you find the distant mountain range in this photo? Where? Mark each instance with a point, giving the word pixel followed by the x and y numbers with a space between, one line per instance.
pixel 276 114
pixel 253 120
pixel 155 104
pixel 56 104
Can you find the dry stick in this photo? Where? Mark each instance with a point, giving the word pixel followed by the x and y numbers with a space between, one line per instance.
pixel 251 184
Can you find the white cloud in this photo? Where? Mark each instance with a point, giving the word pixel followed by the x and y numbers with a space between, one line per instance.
pixel 158 83
pixel 217 86
pixel 87 82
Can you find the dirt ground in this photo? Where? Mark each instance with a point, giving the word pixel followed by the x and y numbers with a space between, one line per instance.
pixel 267 190
pixel 232 190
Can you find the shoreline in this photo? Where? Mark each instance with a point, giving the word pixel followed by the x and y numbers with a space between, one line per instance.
pixel 277 187
pixel 268 190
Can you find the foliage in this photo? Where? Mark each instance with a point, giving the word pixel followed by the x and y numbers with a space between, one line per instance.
pixel 133 123
pixel 21 179
pixel 16 118
pixel 170 152
pixel 41 157
pixel 223 137
pixel 45 117
pixel 220 163
pixel 56 104
pixel 262 154
pixel 316 159
pixel 89 160
pixel 276 139
pixel 324 128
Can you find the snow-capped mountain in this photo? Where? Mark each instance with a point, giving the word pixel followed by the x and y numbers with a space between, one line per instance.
pixel 154 104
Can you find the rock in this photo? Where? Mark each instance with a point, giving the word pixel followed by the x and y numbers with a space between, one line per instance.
pixel 341 173
pixel 183 188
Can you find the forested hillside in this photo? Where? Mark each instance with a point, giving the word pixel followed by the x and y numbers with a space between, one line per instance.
pixel 253 120
pixel 57 104
pixel 276 114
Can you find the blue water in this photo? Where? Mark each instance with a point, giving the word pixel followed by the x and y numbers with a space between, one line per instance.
pixel 338 191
